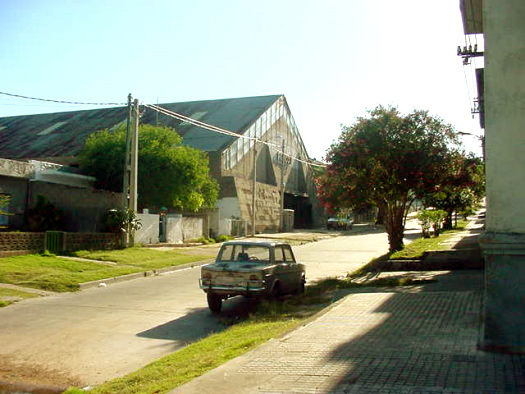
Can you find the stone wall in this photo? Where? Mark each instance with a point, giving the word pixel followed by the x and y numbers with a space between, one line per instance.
pixel 267 205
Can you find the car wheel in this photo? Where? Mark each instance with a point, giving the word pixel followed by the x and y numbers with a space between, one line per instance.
pixel 276 290
pixel 214 303
pixel 300 288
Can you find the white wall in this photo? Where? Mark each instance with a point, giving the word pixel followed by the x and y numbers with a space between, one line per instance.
pixel 149 232
pixel 174 229
pixel 504 27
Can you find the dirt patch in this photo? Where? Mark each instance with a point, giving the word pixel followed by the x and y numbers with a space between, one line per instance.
pixel 15 376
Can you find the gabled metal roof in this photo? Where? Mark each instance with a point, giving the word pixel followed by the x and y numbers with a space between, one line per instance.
pixel 62 134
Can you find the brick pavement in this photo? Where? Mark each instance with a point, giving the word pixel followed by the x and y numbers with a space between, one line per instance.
pixel 419 340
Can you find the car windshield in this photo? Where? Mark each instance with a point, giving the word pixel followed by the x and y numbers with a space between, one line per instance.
pixel 244 253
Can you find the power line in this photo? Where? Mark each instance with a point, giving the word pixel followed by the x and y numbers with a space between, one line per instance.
pixel 58 101
pixel 220 130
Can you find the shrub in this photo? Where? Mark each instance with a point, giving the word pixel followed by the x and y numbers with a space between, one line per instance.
pixel 120 220
pixel 44 216
pixel 223 238
pixel 431 217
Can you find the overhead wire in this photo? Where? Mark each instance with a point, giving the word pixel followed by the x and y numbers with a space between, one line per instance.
pixel 58 101
pixel 178 116
pixel 230 133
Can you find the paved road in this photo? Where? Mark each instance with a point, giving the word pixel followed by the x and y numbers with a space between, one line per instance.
pixel 88 337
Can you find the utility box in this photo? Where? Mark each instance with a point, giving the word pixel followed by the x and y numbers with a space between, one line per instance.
pixel 288 220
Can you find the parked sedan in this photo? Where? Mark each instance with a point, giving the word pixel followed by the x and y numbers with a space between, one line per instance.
pixel 251 269
pixel 339 224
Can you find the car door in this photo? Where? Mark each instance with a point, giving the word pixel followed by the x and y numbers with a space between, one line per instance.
pixel 282 269
pixel 295 272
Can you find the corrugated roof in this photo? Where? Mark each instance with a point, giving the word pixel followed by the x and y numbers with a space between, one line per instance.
pixel 63 134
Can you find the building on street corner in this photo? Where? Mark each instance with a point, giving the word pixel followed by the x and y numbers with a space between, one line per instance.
pixel 501 97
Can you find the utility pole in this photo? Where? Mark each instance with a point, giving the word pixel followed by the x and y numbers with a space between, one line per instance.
pixel 127 159
pixel 134 157
pixel 282 188
pixel 254 185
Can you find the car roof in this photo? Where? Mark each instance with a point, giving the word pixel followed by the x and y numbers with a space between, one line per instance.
pixel 256 243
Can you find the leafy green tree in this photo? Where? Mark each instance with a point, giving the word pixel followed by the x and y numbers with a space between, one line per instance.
pixel 462 188
pixel 169 174
pixel 387 159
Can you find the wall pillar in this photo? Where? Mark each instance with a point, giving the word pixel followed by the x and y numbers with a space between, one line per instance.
pixel 503 244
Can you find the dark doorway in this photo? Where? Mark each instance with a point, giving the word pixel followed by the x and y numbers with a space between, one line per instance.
pixel 302 210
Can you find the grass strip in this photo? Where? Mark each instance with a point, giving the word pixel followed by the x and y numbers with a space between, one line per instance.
pixel 194 360
pixel 6 296
pixel 416 248
pixel 142 257
pixel 49 272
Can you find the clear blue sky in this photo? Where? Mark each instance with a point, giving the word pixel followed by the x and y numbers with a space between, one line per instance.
pixel 332 59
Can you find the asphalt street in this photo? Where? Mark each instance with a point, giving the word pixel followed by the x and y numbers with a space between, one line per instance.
pixel 88 337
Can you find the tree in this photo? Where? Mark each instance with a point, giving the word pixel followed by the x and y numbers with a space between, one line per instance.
pixel 462 188
pixel 169 174
pixel 387 159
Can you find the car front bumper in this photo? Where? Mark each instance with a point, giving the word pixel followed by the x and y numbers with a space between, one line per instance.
pixel 244 288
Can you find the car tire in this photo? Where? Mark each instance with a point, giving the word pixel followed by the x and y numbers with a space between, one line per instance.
pixel 214 303
pixel 276 290
pixel 301 287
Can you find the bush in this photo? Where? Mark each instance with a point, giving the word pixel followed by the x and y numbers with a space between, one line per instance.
pixel 120 220
pixel 431 217
pixel 223 238
pixel 205 241
pixel 44 216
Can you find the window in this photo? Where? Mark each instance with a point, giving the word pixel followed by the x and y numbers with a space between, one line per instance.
pixel 288 255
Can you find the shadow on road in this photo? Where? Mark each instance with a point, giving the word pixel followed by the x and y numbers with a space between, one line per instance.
pixel 198 323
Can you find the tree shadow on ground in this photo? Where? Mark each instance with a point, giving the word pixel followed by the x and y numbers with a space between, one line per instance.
pixel 420 338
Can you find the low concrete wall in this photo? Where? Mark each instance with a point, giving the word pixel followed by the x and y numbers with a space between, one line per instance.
pixel 192 228
pixel 174 229
pixel 149 232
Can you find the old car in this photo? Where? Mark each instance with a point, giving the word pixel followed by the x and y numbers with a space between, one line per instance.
pixel 339 224
pixel 252 269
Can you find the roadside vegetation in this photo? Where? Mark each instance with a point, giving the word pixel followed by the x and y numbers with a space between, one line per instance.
pixel 54 273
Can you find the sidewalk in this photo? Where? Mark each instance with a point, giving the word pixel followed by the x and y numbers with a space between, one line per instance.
pixel 418 339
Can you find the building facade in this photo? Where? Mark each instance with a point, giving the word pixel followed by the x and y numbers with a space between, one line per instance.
pixel 502 96
pixel 243 168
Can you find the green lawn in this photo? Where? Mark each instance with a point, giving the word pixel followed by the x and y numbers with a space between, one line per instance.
pixel 142 257
pixel 58 274
pixel 416 248
pixel 6 296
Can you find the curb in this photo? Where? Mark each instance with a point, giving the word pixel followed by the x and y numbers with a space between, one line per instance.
pixel 142 274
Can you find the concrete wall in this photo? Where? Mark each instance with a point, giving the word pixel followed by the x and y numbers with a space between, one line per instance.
pixel 149 232
pixel 17 189
pixel 174 229
pixel 83 208
pixel 504 241
pixel 505 114
pixel 192 228
pixel 267 205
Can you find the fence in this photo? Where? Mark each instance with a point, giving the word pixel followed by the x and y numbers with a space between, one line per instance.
pixel 15 243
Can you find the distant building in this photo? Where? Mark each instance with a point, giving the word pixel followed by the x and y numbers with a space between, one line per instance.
pixel 502 102
pixel 59 137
